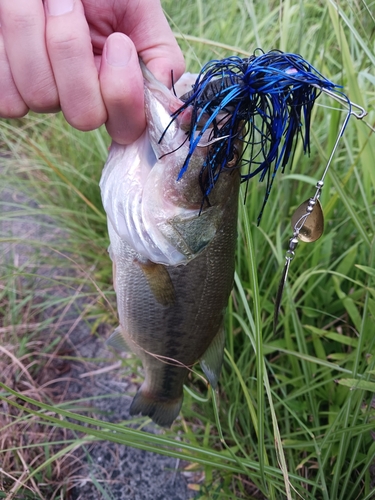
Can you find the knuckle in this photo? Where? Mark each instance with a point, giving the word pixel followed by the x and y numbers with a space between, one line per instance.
pixel 22 22
pixel 63 44
pixel 13 108
pixel 86 120
pixel 42 99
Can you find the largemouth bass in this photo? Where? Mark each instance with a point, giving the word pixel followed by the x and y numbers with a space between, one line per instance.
pixel 173 257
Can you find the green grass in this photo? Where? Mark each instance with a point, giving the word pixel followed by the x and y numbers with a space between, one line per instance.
pixel 293 416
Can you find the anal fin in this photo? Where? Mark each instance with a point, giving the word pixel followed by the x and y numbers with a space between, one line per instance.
pixel 212 359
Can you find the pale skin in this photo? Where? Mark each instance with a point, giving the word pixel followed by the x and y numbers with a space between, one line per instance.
pixel 81 57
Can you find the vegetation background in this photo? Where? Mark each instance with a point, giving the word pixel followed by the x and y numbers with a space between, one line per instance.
pixel 294 414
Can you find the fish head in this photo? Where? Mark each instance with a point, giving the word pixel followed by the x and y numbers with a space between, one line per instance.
pixel 169 138
pixel 156 204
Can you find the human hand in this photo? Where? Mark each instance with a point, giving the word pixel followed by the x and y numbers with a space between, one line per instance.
pixel 81 56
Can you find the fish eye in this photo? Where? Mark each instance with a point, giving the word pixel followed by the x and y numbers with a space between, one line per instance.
pixel 233 160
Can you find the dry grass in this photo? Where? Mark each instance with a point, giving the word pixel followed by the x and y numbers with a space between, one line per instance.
pixel 25 441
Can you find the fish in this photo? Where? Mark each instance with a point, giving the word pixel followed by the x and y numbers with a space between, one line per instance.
pixel 172 250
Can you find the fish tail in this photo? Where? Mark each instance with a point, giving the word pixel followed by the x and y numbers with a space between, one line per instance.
pixel 162 411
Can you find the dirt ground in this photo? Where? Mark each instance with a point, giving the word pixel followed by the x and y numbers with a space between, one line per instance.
pixel 98 469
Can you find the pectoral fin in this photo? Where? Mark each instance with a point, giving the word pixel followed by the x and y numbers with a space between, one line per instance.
pixel 117 340
pixel 159 281
pixel 212 359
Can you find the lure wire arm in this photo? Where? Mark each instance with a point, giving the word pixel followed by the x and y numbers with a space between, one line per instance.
pixel 301 221
pixel 345 101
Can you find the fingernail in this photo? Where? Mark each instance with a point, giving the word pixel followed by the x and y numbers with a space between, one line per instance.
pixel 59 7
pixel 118 50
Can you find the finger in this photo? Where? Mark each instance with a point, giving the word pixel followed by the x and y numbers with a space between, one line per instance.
pixel 23 29
pixel 154 41
pixel 121 85
pixel 11 102
pixel 70 51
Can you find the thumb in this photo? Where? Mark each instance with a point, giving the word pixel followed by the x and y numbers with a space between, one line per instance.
pixel 121 85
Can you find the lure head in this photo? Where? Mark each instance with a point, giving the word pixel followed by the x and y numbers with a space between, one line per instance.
pixel 265 101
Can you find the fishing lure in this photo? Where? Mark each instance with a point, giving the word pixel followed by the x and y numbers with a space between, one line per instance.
pixel 265 101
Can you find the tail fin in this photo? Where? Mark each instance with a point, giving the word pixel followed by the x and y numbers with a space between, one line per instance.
pixel 162 411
